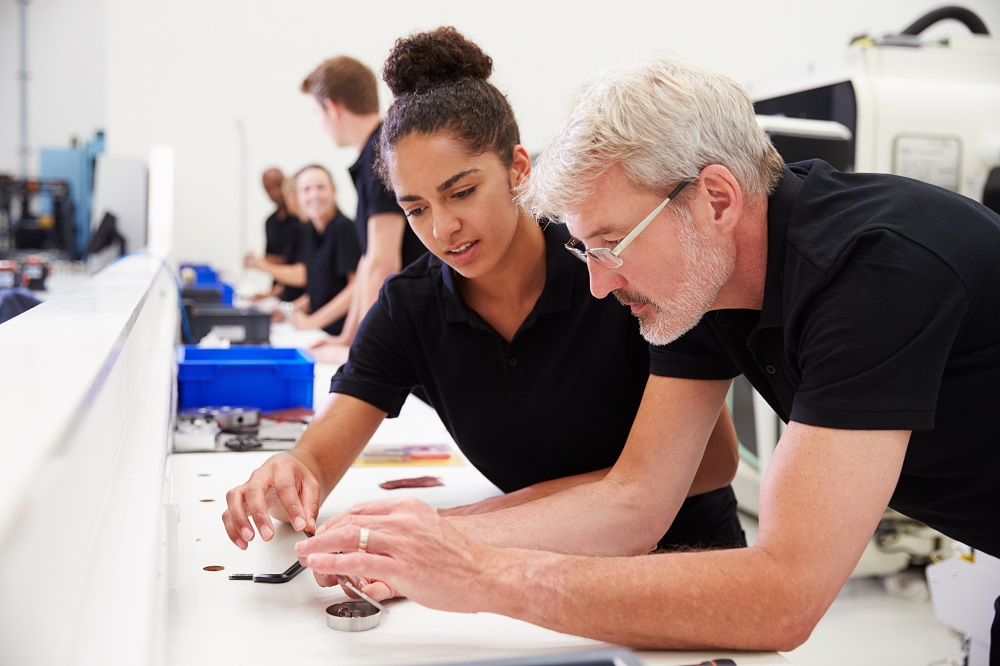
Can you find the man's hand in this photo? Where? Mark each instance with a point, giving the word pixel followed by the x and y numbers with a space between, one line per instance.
pixel 283 485
pixel 376 589
pixel 411 550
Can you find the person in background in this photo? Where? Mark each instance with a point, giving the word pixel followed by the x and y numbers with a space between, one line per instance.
pixel 282 232
pixel 495 323
pixel 291 198
pixel 345 94
pixel 863 307
pixel 327 262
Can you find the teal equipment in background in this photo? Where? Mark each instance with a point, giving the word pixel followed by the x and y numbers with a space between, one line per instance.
pixel 75 165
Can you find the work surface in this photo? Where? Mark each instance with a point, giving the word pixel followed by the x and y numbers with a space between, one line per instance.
pixel 215 620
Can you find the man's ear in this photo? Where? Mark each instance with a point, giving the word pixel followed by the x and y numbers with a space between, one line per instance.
pixel 331 109
pixel 724 196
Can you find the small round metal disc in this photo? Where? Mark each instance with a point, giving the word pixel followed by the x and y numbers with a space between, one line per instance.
pixel 352 616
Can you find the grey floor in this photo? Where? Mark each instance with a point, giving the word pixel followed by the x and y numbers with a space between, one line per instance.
pixel 878 621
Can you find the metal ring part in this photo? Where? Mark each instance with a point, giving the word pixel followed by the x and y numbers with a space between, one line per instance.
pixel 228 418
pixel 363 541
pixel 352 616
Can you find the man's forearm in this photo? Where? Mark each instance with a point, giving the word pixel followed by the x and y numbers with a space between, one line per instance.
pixel 616 523
pixel 629 509
pixel 739 599
pixel 525 495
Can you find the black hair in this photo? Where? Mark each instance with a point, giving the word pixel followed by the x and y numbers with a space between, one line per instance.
pixel 439 80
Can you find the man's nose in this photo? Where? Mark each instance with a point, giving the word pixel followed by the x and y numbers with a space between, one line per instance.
pixel 603 280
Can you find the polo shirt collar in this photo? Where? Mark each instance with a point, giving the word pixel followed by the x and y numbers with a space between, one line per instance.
pixel 455 309
pixel 779 210
pixel 561 269
pixel 556 296
pixel 369 144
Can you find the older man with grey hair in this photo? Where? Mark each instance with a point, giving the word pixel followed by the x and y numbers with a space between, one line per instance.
pixel 862 307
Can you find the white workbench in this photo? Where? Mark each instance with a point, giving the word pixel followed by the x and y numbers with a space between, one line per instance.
pixel 104 533
pixel 215 620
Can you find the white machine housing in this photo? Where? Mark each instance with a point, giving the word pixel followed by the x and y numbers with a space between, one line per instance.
pixel 963 593
pixel 928 110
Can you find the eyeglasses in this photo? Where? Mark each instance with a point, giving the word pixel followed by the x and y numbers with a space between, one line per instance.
pixel 609 258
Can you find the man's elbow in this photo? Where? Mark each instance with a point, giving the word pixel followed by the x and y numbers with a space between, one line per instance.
pixel 788 630
pixel 790 605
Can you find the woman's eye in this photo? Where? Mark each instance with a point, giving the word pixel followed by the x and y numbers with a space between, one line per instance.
pixel 416 212
pixel 464 193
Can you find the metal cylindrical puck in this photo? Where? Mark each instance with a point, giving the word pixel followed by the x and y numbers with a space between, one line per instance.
pixel 352 616
pixel 227 418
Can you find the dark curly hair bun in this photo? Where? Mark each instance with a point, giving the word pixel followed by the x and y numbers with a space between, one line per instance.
pixel 434 58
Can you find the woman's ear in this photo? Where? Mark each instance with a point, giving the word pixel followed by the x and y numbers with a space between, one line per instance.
pixel 520 165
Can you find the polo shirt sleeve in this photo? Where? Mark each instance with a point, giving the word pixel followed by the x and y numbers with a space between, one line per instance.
pixel 295 249
pixel 691 356
pixel 872 345
pixel 348 250
pixel 272 237
pixel 377 370
pixel 379 199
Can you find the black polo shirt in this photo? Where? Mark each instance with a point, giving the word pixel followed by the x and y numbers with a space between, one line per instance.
pixel 329 258
pixel 557 400
pixel 279 233
pixel 881 311
pixel 283 237
pixel 375 198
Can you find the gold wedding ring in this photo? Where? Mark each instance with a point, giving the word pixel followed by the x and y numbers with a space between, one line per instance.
pixel 363 541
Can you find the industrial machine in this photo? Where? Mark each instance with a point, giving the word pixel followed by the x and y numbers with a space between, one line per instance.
pixel 51 212
pixel 75 165
pixel 36 214
pixel 924 108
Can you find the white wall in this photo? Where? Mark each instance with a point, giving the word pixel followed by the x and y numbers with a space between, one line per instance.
pixel 192 73
pixel 66 94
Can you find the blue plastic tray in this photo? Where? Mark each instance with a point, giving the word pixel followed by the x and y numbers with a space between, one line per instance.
pixel 268 378
pixel 203 274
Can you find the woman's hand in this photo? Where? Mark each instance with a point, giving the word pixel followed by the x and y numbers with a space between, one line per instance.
pixel 283 486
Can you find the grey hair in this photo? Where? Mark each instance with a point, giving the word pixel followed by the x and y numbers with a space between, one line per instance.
pixel 663 120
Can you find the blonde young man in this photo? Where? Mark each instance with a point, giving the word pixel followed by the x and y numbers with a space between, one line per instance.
pixel 345 94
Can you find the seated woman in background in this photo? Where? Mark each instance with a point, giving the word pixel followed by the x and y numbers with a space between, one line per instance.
pixel 328 255
pixel 495 324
